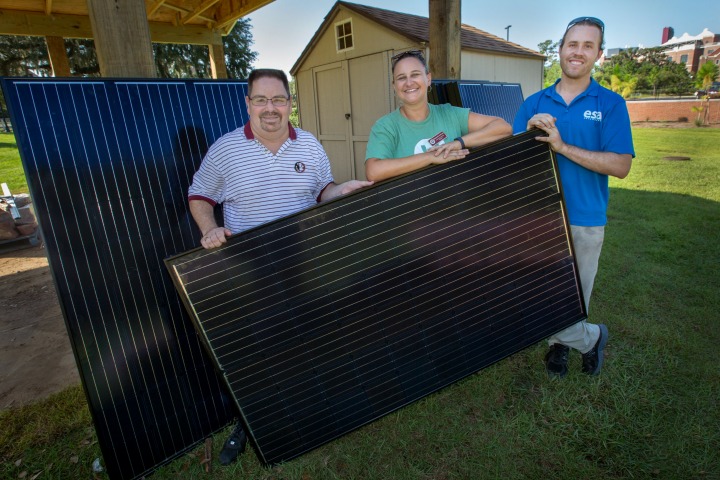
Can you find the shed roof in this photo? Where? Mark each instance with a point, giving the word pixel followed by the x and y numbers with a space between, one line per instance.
pixel 417 28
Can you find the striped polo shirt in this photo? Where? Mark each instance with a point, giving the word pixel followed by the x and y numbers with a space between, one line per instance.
pixel 256 186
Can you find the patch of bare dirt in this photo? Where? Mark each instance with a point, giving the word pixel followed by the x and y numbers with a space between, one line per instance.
pixel 36 358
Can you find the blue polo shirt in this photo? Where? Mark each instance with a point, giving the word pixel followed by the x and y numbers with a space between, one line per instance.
pixel 596 120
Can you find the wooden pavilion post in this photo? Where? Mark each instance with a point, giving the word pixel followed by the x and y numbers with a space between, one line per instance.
pixel 122 38
pixel 445 38
pixel 58 56
pixel 218 68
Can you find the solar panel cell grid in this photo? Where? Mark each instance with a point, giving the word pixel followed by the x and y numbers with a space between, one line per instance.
pixel 318 323
pixel 108 164
pixel 328 319
pixel 497 99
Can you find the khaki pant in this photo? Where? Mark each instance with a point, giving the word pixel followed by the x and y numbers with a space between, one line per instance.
pixel 588 244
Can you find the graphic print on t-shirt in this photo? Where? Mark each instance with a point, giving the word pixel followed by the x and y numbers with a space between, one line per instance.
pixel 426 143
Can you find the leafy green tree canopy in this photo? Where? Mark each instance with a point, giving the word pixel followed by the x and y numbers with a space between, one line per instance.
pixel 551 70
pixel 706 74
pixel 192 61
pixel 646 69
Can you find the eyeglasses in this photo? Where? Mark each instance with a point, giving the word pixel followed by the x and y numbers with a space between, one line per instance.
pixel 276 101
pixel 407 53
pixel 595 21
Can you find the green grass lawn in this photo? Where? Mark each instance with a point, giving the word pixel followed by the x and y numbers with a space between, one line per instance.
pixel 11 171
pixel 653 413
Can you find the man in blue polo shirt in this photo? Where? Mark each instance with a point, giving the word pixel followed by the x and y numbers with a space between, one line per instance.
pixel 588 127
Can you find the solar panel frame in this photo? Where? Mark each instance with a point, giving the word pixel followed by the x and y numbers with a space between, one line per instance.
pixel 306 317
pixel 108 163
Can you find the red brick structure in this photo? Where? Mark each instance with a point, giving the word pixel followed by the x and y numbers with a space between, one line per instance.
pixel 693 51
pixel 673 110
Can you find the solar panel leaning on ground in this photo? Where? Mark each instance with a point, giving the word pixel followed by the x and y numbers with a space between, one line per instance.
pixel 108 164
pixel 489 98
pixel 328 319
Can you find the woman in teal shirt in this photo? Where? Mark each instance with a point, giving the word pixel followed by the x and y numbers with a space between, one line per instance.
pixel 419 133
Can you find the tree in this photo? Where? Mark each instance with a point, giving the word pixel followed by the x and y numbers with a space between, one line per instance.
pixel 238 56
pixel 82 57
pixel 551 70
pixel 550 50
pixel 23 56
pixel 644 70
pixel 706 74
pixel 183 61
pixel 624 86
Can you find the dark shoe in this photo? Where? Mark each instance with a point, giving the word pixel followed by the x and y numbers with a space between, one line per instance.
pixel 592 361
pixel 234 446
pixel 556 360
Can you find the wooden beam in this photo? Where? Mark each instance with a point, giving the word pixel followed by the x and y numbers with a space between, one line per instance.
pixel 122 38
pixel 218 68
pixel 186 11
pixel 58 56
pixel 191 34
pixel 200 8
pixel 75 26
pixel 154 8
pixel 48 7
pixel 229 18
pixel 445 38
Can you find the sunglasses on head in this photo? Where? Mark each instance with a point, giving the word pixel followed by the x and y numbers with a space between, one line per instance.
pixel 408 53
pixel 595 21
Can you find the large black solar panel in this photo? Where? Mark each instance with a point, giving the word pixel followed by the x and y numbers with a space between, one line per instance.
pixel 325 320
pixel 108 164
pixel 488 98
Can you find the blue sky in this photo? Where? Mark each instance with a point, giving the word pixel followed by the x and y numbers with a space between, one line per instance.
pixel 282 29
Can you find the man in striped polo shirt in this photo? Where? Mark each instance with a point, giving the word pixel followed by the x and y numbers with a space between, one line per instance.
pixel 260 172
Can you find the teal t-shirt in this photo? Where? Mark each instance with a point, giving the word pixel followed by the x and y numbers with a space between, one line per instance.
pixel 394 136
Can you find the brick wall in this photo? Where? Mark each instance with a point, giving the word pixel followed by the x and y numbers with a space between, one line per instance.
pixel 672 110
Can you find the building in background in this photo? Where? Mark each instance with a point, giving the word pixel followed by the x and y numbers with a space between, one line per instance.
pixel 343 78
pixel 691 50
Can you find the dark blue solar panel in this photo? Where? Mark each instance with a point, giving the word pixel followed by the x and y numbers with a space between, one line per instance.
pixel 108 164
pixel 498 99
pixel 333 317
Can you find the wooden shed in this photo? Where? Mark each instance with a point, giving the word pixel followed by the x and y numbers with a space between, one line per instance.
pixel 344 83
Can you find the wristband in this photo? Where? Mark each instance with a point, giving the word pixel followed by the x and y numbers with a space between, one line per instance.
pixel 462 144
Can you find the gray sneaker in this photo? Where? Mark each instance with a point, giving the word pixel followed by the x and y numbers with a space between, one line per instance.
pixel 592 361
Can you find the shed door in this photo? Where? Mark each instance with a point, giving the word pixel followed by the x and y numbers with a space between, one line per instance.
pixel 350 96
pixel 333 104
pixel 370 99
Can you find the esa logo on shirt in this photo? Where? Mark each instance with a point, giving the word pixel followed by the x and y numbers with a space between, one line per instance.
pixel 597 116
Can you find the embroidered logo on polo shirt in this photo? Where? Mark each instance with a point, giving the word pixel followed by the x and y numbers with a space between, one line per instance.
pixel 299 167
pixel 589 115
